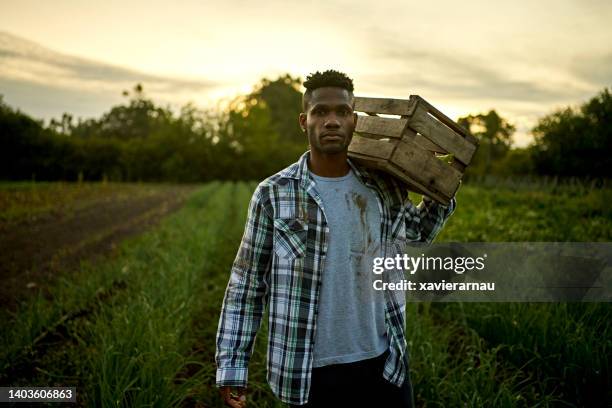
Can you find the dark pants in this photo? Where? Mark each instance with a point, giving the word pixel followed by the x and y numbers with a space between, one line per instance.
pixel 359 384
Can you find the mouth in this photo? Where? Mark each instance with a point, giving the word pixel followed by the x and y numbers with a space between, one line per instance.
pixel 331 136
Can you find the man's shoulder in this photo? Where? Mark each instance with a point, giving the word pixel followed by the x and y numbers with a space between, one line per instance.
pixel 287 179
pixel 282 177
pixel 381 178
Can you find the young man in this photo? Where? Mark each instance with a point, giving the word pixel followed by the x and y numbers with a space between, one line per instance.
pixel 307 252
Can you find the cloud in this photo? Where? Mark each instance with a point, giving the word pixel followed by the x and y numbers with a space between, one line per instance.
pixel 461 77
pixel 477 83
pixel 406 64
pixel 48 101
pixel 595 69
pixel 44 79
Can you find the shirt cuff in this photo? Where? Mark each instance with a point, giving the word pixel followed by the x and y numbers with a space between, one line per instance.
pixel 232 376
pixel 429 202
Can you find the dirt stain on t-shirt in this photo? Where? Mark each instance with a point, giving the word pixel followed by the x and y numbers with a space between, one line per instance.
pixel 362 204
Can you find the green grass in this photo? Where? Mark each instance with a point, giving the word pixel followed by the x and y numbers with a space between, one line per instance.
pixel 132 346
pixel 147 337
pixel 546 354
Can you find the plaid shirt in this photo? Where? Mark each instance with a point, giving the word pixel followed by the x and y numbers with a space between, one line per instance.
pixel 279 263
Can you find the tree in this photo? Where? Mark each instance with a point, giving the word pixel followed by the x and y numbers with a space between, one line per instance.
pixel 139 140
pixel 64 126
pixel 495 136
pixel 284 100
pixel 25 147
pixel 138 119
pixel 262 130
pixel 576 141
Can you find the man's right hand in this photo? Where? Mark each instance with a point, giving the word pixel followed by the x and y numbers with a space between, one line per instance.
pixel 234 397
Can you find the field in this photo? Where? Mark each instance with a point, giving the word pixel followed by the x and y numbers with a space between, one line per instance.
pixel 47 227
pixel 120 296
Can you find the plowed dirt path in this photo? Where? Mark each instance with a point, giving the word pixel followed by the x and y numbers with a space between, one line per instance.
pixel 33 253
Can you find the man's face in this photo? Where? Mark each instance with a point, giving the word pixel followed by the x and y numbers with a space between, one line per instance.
pixel 329 120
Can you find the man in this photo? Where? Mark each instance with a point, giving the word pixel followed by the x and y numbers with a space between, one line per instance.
pixel 311 234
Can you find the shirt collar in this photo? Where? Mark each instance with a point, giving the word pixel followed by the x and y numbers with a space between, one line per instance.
pixel 300 170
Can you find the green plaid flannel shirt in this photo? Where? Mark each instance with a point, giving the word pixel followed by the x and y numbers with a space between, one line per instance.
pixel 279 264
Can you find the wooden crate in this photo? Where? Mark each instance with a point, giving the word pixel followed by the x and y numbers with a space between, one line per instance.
pixel 409 147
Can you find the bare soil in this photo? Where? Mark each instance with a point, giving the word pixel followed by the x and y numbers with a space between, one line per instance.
pixel 33 254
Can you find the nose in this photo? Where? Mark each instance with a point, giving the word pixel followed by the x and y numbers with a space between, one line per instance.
pixel 332 121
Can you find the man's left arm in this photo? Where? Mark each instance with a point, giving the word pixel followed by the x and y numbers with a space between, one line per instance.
pixel 433 216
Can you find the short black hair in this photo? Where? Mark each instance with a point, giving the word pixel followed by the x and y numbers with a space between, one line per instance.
pixel 323 79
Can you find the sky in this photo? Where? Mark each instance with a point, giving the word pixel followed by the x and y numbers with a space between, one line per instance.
pixel 524 59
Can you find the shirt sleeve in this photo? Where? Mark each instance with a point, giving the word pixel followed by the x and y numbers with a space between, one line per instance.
pixel 433 216
pixel 245 297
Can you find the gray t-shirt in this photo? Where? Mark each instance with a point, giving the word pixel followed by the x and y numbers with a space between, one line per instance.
pixel 351 314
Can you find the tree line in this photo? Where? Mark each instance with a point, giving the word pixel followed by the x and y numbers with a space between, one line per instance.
pixel 570 142
pixel 258 134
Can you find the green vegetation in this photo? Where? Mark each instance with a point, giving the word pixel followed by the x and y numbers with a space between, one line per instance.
pixel 570 142
pixel 139 329
pixel 576 141
pixel 258 134
pixel 495 136
pixel 504 215
pixel 126 331
pixel 253 137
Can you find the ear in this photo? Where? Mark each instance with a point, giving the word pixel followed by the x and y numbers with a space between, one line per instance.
pixel 302 120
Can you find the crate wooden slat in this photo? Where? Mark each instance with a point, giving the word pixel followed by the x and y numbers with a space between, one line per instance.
pixel 406 147
pixel 444 119
pixel 384 105
pixel 383 127
pixel 434 130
